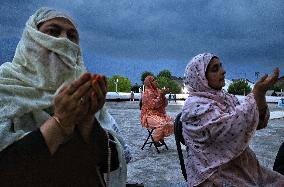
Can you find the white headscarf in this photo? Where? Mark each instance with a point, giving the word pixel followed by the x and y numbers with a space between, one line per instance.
pixel 28 85
pixel 41 64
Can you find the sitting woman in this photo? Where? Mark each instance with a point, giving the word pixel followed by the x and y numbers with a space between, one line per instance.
pixel 217 128
pixel 54 130
pixel 153 111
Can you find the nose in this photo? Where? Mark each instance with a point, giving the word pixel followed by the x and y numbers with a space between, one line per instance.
pixel 223 71
pixel 63 34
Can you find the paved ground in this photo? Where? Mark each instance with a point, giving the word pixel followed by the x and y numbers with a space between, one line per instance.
pixel 163 170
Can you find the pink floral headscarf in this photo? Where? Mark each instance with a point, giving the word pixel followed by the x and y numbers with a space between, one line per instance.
pixel 216 127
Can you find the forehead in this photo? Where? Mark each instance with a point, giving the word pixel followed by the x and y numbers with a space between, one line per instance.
pixel 62 22
pixel 213 61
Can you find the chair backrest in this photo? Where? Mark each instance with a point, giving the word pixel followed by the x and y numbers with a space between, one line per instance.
pixel 179 139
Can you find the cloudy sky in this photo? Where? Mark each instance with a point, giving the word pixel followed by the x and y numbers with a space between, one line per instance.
pixel 128 37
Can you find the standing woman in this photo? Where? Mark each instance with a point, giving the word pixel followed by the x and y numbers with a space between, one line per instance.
pixel 217 128
pixel 153 111
pixel 49 135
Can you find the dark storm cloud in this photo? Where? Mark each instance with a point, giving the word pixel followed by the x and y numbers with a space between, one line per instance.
pixel 244 31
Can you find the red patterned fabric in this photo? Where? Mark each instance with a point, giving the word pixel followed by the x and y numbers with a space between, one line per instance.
pixel 153 112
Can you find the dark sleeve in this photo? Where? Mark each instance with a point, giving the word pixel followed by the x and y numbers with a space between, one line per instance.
pixel 100 149
pixel 24 156
pixel 279 161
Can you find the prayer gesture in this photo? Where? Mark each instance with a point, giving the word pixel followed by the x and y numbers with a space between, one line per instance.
pixel 265 82
pixel 78 102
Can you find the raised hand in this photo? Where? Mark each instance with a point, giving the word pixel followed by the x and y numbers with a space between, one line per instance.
pixel 68 103
pixel 265 82
pixel 259 91
pixel 96 100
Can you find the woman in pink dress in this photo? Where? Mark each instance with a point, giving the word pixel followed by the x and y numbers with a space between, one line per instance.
pixel 153 111
pixel 217 128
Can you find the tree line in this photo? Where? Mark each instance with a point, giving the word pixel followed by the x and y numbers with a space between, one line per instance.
pixel 123 84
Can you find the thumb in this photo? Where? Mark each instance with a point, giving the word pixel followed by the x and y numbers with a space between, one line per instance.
pixel 263 78
pixel 276 72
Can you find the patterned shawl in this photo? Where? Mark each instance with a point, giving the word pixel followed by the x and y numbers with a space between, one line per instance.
pixel 216 127
pixel 152 102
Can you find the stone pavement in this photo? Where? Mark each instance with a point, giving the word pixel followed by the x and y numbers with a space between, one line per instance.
pixel 163 170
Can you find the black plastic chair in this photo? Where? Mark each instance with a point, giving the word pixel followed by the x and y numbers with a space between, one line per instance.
pixel 151 141
pixel 179 140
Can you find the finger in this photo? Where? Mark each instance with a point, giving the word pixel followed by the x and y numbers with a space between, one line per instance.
pixel 62 89
pixel 77 83
pixel 94 100
pixel 102 85
pixel 100 101
pixel 97 89
pixel 276 72
pixel 82 90
pixel 262 78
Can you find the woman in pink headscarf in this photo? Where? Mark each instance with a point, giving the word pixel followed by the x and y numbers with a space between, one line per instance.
pixel 153 111
pixel 217 128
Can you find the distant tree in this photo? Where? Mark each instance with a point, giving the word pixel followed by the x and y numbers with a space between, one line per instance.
pixel 145 74
pixel 173 86
pixel 135 88
pixel 276 88
pixel 123 84
pixel 239 87
pixel 165 73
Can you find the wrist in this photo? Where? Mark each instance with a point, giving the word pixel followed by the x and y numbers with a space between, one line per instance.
pixel 53 135
pixel 66 131
pixel 86 128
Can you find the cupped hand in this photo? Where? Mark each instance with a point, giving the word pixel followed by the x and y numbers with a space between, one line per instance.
pixel 68 103
pixel 266 82
pixel 96 100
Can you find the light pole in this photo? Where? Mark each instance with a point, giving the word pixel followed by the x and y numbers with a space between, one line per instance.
pixel 116 82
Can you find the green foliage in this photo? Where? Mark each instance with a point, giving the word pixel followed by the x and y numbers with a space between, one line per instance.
pixel 276 88
pixel 145 74
pixel 165 73
pixel 173 86
pixel 124 84
pixel 135 88
pixel 239 87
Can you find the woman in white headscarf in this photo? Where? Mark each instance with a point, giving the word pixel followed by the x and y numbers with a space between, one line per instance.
pixel 217 129
pixel 54 130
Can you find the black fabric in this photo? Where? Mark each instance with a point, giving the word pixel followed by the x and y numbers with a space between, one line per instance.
pixel 179 139
pixel 279 161
pixel 28 162
pixel 140 104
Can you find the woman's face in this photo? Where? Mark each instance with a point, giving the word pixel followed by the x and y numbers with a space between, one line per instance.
pixel 215 74
pixel 60 28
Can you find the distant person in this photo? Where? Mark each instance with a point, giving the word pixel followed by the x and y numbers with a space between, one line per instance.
pixel 175 97
pixel 132 96
pixel 274 93
pixel 54 128
pixel 217 128
pixel 153 113
pixel 170 97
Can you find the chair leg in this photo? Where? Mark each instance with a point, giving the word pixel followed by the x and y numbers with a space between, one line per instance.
pixel 153 141
pixel 146 139
pixel 165 145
